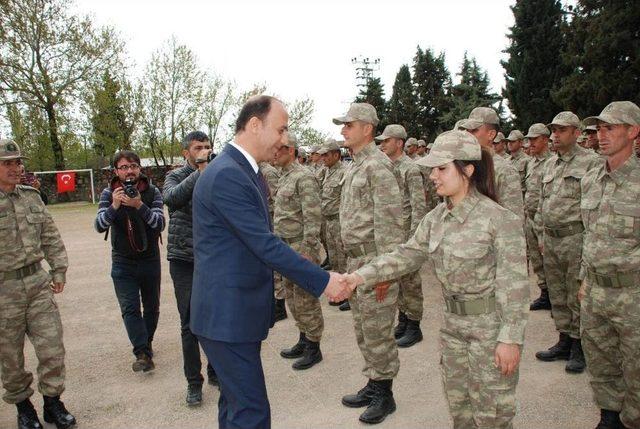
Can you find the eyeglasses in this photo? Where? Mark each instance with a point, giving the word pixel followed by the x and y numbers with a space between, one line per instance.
pixel 124 168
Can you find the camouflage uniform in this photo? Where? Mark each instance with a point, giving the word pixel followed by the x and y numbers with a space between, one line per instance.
pixel 297 220
pixel 508 189
pixel 410 297
pixel 611 265
pixel 331 191
pixel 477 249
pixel 371 224
pixel 559 214
pixel 27 305
pixel 272 175
pixel 519 160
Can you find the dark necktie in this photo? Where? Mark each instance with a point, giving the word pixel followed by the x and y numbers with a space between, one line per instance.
pixel 264 190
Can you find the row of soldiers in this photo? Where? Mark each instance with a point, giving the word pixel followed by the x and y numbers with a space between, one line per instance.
pixel 539 180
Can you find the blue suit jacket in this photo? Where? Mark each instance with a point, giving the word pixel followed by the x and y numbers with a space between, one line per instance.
pixel 235 254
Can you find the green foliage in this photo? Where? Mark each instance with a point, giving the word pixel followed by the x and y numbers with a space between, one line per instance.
pixel 431 80
pixel 373 93
pixel 403 104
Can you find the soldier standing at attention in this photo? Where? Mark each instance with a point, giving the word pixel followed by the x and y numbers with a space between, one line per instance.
pixel 517 156
pixel 499 145
pixel 610 313
pixel 477 250
pixel 410 297
pixel 27 305
pixel 296 220
pixel 538 136
pixel 422 148
pixel 371 224
pixel 411 147
pixel 558 215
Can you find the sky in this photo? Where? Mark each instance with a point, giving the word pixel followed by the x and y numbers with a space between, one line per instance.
pixel 305 48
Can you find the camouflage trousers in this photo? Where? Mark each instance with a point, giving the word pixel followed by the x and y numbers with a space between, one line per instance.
pixel 479 396
pixel 611 341
pixel 373 322
pixel 28 308
pixel 304 307
pixel 334 246
pixel 410 297
pixel 535 257
pixel 561 267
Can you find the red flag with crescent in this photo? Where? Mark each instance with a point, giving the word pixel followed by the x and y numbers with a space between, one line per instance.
pixel 66 182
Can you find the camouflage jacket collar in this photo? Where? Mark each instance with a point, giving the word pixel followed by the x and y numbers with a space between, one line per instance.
pixel 288 169
pixel 519 154
pixel 620 175
pixel 364 153
pixel 461 211
pixel 545 155
pixel 567 157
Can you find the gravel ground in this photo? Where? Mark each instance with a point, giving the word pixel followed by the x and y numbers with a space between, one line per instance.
pixel 103 392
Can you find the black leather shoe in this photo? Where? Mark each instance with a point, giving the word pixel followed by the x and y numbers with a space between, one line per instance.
pixel 143 363
pixel 345 306
pixel 337 304
pixel 297 350
pixel 194 395
pixel 56 413
pixel 402 325
pixel 311 356
pixel 281 310
pixel 382 404
pixel 559 351
pixel 412 335
pixel 360 399
pixel 609 420
pixel 576 362
pixel 542 302
pixel 27 416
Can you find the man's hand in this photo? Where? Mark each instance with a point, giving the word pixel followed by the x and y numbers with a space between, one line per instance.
pixel 57 287
pixel 582 292
pixel 203 154
pixel 381 291
pixel 507 358
pixel 353 280
pixel 117 197
pixel 135 202
pixel 337 289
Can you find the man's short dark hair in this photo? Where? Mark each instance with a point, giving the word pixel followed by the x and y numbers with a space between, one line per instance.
pixel 259 107
pixel 125 154
pixel 198 136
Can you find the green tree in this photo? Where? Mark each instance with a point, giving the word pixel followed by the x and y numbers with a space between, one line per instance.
pixel 403 104
pixel 29 130
pixel 532 70
pixel 373 93
pixel 431 80
pixel 47 56
pixel 603 52
pixel 218 101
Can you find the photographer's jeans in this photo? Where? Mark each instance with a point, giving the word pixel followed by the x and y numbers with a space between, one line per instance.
pixel 136 283
pixel 182 276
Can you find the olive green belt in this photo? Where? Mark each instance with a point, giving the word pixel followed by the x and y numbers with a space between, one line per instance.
pixel 360 250
pixel 292 240
pixel 475 307
pixel 617 280
pixel 572 228
pixel 21 273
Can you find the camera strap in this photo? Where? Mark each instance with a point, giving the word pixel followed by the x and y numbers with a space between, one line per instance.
pixel 132 237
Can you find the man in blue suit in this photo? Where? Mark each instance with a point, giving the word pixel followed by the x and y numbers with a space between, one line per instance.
pixel 235 250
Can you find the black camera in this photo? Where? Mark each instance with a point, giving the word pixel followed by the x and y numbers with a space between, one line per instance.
pixel 130 189
pixel 209 158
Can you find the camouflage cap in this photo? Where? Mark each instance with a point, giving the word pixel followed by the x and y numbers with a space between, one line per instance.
pixel 515 135
pixel 359 112
pixel 328 146
pixel 393 131
pixel 499 137
pixel 302 152
pixel 458 124
pixel 292 141
pixel 452 145
pixel 411 141
pixel 536 130
pixel 591 128
pixel 565 119
pixel 422 143
pixel 618 112
pixel 10 150
pixel 479 116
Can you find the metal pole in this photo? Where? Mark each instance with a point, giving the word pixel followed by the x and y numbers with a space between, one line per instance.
pixel 93 191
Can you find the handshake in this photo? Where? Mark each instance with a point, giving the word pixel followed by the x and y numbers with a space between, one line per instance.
pixel 341 286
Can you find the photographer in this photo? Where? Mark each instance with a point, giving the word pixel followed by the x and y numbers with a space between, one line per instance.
pixel 132 208
pixel 177 193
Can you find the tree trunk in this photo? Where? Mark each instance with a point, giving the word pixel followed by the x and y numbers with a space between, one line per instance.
pixel 56 147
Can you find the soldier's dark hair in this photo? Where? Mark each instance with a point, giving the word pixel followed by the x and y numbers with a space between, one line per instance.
pixel 259 107
pixel 197 136
pixel 125 154
pixel 483 176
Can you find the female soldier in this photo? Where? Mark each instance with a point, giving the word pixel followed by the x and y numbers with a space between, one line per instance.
pixel 478 251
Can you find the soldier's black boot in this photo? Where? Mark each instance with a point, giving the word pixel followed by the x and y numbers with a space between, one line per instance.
pixel 542 302
pixel 401 327
pixel 412 335
pixel 609 420
pixel 281 310
pixel 576 362
pixel 56 413
pixel 311 356
pixel 345 306
pixel 297 350
pixel 27 415
pixel 382 404
pixel 559 351
pixel 360 399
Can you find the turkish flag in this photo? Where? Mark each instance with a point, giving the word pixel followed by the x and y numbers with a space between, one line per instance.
pixel 66 182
